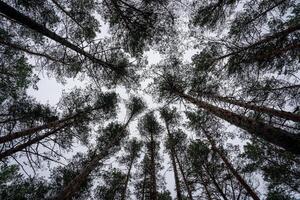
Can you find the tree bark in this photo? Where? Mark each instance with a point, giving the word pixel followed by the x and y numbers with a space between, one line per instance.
pixel 184 178
pixel 281 138
pixel 251 192
pixel 261 109
pixel 30 142
pixel 22 19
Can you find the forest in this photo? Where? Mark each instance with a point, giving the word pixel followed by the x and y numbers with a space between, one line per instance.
pixel 150 99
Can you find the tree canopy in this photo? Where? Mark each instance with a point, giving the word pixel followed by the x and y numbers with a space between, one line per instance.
pixel 157 99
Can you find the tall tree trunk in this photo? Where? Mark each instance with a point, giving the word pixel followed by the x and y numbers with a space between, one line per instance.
pixel 215 183
pixel 144 184
pixel 28 51
pixel 127 180
pixel 30 142
pixel 153 192
pixel 29 131
pixel 67 13
pixel 53 124
pixel 276 136
pixel 74 185
pixel 205 187
pixel 184 178
pixel 177 183
pixel 261 109
pixel 22 19
pixel 251 192
pixel 264 12
pixel 276 35
pixel 172 156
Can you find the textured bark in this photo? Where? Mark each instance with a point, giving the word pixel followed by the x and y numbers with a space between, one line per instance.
pixel 30 142
pixel 281 138
pixel 22 19
pixel 251 192
pixel 184 178
pixel 261 109
pixel 153 186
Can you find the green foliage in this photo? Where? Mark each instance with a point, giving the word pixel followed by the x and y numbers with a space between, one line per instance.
pixel 113 185
pixel 13 186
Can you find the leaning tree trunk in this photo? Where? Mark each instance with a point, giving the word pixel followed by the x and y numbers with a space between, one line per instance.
pixel 206 188
pixel 215 183
pixel 261 109
pixel 184 178
pixel 29 131
pixel 28 51
pixel 22 19
pixel 276 35
pixel 251 192
pixel 127 180
pixel 276 136
pixel 35 140
pixel 177 183
pixel 153 192
pixel 74 185
pixel 172 156
pixel 54 124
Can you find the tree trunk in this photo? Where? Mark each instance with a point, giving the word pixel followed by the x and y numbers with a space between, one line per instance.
pixel 172 156
pixel 276 136
pixel 153 192
pixel 231 169
pixel 215 183
pixel 30 142
pixel 33 130
pixel 127 180
pixel 22 19
pixel 205 187
pixel 282 33
pixel 67 13
pixel 264 12
pixel 74 185
pixel 184 178
pixel 28 51
pixel 261 109
pixel 177 183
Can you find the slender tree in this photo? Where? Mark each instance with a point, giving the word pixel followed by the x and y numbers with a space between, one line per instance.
pixel 132 148
pixel 150 129
pixel 13 14
pixel 109 142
